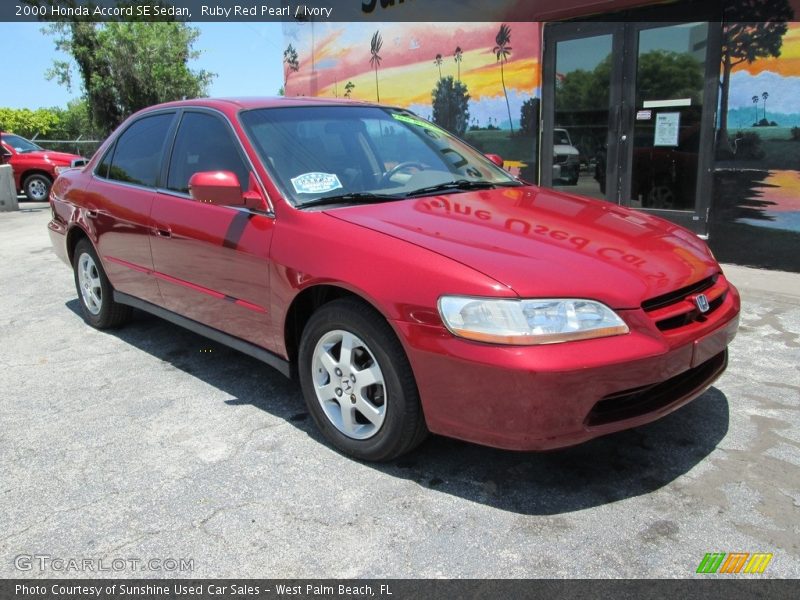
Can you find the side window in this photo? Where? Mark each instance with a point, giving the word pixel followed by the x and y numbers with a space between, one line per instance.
pixel 204 143
pixel 138 151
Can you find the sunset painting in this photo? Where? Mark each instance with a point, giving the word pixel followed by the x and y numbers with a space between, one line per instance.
pixel 412 58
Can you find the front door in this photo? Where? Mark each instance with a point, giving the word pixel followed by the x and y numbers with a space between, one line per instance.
pixel 212 262
pixel 628 115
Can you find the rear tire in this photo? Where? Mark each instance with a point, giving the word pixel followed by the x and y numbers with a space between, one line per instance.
pixel 95 294
pixel 37 187
pixel 358 384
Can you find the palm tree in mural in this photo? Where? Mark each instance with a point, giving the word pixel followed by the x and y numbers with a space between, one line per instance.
pixel 375 46
pixel 457 57
pixel 502 51
pixel 755 104
pixel 438 62
pixel 765 95
pixel 291 60
pixel 348 89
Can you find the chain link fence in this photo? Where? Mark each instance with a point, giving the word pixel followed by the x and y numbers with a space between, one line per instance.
pixel 83 147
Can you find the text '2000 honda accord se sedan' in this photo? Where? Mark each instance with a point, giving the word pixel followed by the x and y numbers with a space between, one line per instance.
pixel 407 280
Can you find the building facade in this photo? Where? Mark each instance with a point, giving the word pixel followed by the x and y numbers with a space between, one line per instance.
pixel 695 121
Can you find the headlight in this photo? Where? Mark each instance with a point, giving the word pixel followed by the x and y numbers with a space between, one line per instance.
pixel 528 322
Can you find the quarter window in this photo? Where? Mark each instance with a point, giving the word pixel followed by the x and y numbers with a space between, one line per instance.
pixel 105 164
pixel 138 152
pixel 203 143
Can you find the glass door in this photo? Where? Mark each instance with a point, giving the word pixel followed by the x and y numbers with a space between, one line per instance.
pixel 584 87
pixel 636 103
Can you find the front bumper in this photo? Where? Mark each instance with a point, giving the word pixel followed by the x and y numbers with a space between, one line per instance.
pixel 552 396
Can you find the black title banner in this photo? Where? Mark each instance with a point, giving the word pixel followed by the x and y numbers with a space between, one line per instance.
pixel 396 589
pixel 386 10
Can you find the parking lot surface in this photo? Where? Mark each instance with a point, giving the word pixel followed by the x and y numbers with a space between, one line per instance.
pixel 152 443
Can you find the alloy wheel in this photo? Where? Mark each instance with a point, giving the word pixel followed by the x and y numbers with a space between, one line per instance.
pixel 349 384
pixel 37 189
pixel 89 283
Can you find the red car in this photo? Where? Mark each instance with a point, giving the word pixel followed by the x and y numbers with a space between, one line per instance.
pixel 34 167
pixel 406 280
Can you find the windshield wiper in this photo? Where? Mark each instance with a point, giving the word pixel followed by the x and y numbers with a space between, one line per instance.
pixel 458 184
pixel 356 197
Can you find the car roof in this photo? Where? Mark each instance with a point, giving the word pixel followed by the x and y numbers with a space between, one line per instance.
pixel 247 103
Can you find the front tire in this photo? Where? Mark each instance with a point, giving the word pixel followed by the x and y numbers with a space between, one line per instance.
pixel 37 187
pixel 357 382
pixel 95 294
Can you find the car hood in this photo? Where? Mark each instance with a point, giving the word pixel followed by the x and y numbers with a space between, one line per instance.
pixel 542 243
pixel 64 158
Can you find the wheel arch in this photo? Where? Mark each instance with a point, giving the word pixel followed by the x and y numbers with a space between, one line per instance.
pixel 75 235
pixel 34 171
pixel 308 301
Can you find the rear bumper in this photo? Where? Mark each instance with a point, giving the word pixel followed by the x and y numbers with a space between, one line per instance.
pixel 58 239
pixel 552 396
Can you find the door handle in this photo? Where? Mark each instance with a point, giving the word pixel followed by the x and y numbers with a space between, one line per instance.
pixel 164 233
pixel 91 214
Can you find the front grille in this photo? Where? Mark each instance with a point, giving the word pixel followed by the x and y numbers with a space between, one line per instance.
pixel 642 400
pixel 691 316
pixel 678 295
pixel 677 309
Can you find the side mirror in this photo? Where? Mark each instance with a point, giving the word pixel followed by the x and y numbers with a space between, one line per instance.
pixel 496 159
pixel 222 188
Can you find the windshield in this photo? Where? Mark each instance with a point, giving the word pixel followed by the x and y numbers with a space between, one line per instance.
pixel 20 144
pixel 561 137
pixel 363 153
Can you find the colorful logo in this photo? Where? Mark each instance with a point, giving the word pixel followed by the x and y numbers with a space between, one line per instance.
pixel 734 562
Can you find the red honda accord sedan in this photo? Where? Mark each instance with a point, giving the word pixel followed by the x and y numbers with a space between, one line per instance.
pixel 409 282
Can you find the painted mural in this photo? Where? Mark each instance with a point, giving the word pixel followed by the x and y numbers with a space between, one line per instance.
pixel 756 207
pixel 479 80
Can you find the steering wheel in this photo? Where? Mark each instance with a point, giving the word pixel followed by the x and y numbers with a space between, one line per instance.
pixel 409 164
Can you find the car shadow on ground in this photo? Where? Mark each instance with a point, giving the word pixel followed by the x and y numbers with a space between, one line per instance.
pixel 604 470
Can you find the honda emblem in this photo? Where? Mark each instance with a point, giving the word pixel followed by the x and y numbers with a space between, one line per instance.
pixel 702 303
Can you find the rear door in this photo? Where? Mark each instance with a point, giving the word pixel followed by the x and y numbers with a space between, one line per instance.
pixel 212 262
pixel 119 201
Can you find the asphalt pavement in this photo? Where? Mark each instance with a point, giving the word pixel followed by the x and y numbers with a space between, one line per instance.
pixel 156 451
